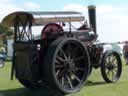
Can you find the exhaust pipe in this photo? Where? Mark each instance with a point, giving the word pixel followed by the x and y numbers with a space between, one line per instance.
pixel 92 17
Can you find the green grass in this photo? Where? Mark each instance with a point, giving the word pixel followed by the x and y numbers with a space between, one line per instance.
pixel 95 86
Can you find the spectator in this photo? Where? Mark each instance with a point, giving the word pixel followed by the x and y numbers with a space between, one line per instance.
pixel 125 52
pixel 2 50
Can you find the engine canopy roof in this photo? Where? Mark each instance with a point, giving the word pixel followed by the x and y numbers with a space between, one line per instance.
pixel 43 18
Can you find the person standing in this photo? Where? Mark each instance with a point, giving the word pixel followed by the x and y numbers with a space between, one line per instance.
pixel 125 52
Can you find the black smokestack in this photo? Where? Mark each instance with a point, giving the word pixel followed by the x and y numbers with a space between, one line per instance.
pixel 92 16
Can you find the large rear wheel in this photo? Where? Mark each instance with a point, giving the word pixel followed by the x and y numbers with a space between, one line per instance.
pixel 66 65
pixel 111 67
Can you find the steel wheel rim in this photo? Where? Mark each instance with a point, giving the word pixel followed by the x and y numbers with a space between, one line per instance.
pixel 69 72
pixel 112 67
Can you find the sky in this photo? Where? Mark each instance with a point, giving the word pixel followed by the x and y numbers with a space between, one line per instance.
pixel 112 15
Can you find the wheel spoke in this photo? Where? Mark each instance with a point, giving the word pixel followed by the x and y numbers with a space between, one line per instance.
pixel 69 51
pixel 106 69
pixel 112 75
pixel 56 61
pixel 62 81
pixel 57 73
pixel 69 82
pixel 115 69
pixel 59 66
pixel 69 56
pixel 77 78
pixel 64 54
pixel 60 59
pixel 115 63
pixel 106 66
pixel 108 73
pixel 109 59
pixel 79 58
pixel 115 66
pixel 114 59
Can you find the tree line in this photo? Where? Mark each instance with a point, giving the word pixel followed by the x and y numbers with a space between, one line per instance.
pixel 5 34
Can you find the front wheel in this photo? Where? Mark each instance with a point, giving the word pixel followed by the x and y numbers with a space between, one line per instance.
pixel 66 65
pixel 111 66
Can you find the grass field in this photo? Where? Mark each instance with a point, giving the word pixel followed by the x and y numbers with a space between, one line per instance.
pixel 95 86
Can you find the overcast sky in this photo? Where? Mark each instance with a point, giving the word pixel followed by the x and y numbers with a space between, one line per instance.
pixel 112 15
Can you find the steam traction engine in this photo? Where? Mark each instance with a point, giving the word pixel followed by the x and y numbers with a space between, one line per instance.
pixel 62 59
